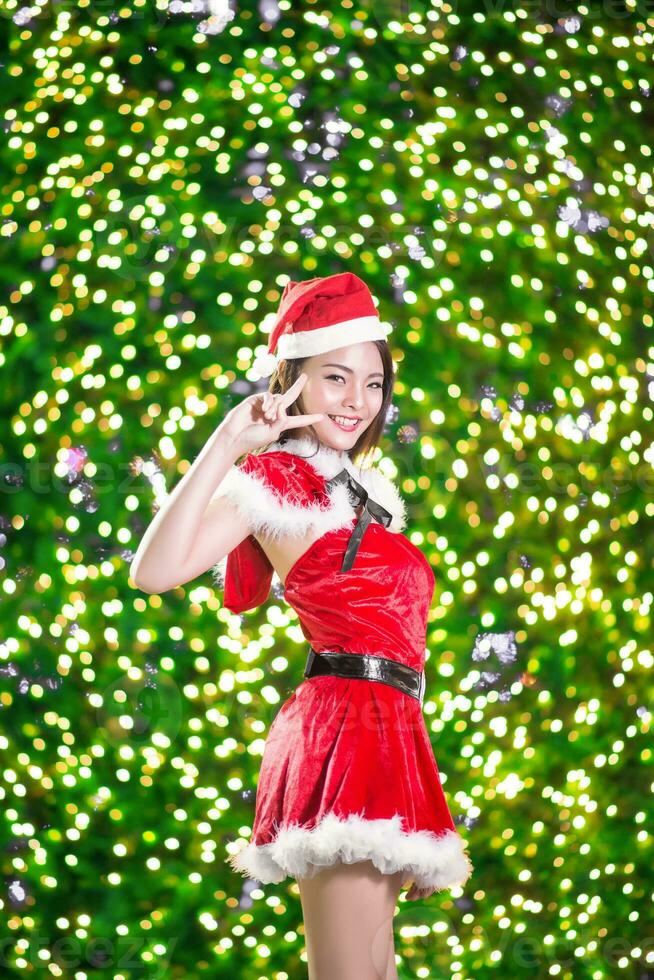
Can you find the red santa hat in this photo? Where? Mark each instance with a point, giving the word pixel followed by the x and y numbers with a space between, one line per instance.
pixel 319 315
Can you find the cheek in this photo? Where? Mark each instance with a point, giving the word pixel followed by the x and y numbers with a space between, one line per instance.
pixel 312 393
pixel 326 395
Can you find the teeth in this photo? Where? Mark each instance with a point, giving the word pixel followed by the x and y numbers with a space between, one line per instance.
pixel 343 421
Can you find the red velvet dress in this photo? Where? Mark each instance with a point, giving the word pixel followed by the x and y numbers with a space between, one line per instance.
pixel 348 772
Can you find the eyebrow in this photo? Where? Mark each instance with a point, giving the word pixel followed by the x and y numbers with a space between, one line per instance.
pixel 375 374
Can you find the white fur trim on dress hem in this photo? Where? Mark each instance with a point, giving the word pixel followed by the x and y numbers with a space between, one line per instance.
pixel 432 861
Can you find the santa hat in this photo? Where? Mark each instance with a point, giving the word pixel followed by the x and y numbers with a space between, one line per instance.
pixel 319 315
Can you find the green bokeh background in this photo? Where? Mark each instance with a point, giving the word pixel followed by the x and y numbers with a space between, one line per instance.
pixel 488 172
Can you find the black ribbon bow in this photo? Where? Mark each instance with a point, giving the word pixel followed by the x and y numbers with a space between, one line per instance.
pixel 370 509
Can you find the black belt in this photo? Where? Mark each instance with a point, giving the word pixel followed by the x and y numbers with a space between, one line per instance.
pixel 368 667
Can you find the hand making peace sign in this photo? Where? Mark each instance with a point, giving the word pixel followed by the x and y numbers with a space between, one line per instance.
pixel 260 419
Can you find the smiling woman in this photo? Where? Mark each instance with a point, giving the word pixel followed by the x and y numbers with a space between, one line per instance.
pixel 361 388
pixel 349 799
pixel 351 400
pixel 351 596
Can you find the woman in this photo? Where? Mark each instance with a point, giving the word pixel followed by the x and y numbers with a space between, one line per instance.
pixel 349 799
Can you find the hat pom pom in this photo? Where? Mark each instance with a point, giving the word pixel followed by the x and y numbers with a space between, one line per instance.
pixel 264 364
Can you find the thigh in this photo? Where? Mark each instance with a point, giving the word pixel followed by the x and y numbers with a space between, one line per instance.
pixel 348 920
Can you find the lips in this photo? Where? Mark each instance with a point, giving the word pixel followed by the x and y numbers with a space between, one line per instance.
pixel 345 428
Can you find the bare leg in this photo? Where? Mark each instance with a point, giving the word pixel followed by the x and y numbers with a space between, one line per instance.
pixel 348 920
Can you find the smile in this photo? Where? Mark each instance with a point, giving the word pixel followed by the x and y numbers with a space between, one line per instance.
pixel 343 423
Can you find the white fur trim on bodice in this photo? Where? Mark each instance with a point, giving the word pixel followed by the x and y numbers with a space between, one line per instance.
pixel 329 462
pixel 272 516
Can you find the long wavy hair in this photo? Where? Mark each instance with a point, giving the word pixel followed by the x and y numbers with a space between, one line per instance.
pixel 288 372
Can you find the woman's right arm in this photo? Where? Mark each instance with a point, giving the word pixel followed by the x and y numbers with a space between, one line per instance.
pixel 191 531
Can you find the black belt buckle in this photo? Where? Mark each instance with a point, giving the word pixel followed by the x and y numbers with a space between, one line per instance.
pixel 309 663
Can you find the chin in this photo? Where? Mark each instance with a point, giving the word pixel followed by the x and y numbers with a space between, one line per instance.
pixel 331 435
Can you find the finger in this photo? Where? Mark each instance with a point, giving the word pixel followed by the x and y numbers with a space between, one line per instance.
pixel 270 407
pixel 289 396
pixel 294 421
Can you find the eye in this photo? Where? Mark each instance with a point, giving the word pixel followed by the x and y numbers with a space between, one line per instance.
pixel 330 376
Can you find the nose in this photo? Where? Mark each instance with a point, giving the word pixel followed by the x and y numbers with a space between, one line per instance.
pixel 354 401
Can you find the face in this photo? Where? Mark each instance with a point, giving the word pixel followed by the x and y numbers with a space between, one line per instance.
pixel 346 383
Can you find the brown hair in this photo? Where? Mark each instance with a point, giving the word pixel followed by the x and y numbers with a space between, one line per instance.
pixel 287 373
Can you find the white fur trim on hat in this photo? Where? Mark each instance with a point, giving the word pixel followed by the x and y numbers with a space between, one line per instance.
pixel 431 860
pixel 307 343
